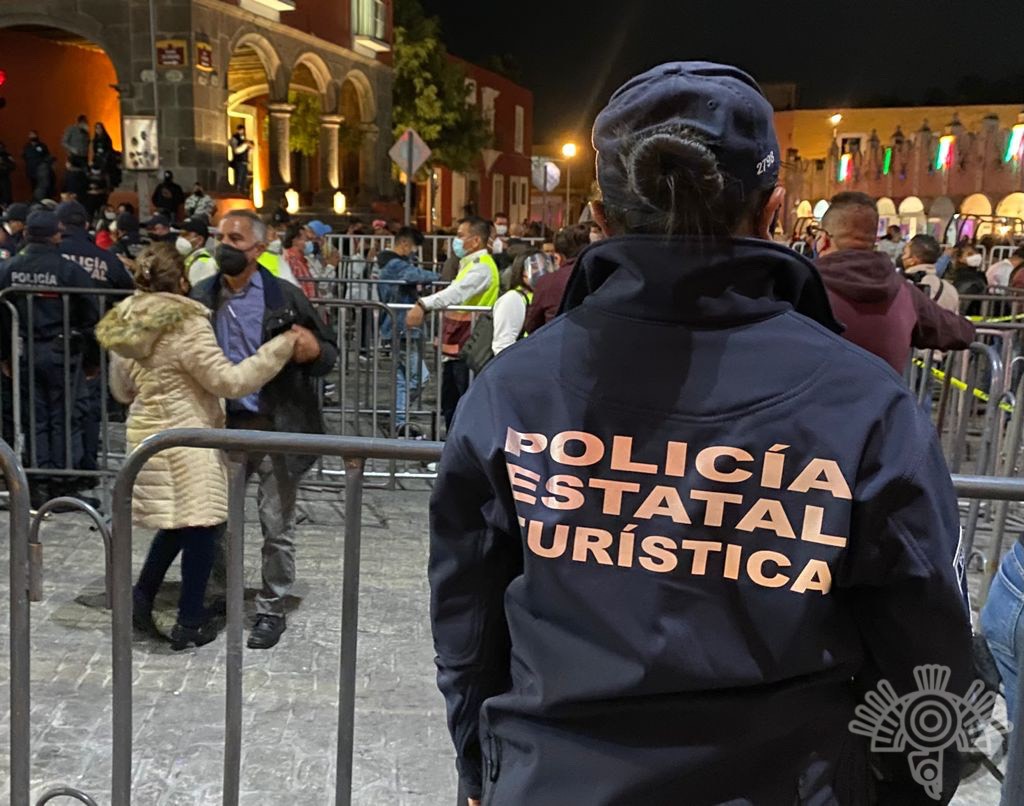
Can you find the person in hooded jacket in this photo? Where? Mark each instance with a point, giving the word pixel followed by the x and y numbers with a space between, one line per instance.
pixel 882 312
pixel 669 582
pixel 919 257
pixel 166 363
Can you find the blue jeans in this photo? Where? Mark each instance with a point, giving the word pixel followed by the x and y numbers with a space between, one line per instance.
pixel 1003 626
pixel 412 377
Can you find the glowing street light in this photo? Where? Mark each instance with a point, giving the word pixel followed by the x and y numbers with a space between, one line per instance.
pixel 292 198
pixel 836 119
pixel 568 151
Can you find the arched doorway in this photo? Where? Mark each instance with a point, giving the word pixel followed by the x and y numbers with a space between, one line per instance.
pixel 820 209
pixel 251 68
pixel 351 134
pixel 52 77
pixel 976 204
pixel 306 93
pixel 804 209
pixel 940 215
pixel 911 215
pixel 1011 206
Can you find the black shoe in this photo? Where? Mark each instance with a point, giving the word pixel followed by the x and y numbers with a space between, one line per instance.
pixel 409 431
pixel 142 617
pixel 218 607
pixel 185 637
pixel 266 632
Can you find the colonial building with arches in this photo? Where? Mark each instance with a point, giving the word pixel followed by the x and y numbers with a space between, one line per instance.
pixel 305 77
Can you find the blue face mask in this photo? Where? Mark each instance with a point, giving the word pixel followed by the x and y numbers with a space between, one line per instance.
pixel 308 248
pixel 459 248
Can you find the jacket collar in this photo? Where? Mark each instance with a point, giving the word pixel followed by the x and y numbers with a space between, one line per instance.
pixel 699 282
pixel 472 257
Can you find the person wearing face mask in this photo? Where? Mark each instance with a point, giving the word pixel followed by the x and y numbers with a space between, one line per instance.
pixel 38 166
pixel 510 309
pixel 298 249
pixel 477 284
pixel 128 238
pixel 168 197
pixel 199 203
pixel 159 228
pixel 191 245
pixel 967 276
pixel 104 221
pixel 919 256
pixel 499 245
pixel 12 229
pixel 250 307
pixel 547 297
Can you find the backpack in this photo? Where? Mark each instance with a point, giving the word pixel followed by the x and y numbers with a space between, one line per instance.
pixel 476 352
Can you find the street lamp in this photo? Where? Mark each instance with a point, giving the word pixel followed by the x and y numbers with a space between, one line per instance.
pixel 835 120
pixel 568 152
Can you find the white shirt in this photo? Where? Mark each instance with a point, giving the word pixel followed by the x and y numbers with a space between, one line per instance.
pixel 999 273
pixel 476 281
pixel 509 316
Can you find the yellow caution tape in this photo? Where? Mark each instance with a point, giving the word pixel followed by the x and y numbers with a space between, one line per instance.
pixel 994 319
pixel 956 383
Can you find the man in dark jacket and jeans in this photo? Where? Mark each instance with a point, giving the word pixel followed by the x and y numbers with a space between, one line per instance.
pixel 250 307
pixel 882 311
pixel 682 530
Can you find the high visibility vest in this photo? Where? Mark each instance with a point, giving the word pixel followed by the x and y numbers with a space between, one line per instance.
pixel 489 295
pixel 456 327
pixel 199 254
pixel 268 260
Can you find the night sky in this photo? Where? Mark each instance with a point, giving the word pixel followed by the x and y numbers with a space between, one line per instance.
pixel 573 54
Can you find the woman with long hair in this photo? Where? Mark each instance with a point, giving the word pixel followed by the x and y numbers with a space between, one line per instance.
pixel 166 363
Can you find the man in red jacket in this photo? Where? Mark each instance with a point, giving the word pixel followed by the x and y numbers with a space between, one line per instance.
pixel 547 296
pixel 882 312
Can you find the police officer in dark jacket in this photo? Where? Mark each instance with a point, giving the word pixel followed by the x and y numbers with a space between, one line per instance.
pixel 681 531
pixel 168 196
pixel 108 273
pixel 130 242
pixel 12 229
pixel 55 344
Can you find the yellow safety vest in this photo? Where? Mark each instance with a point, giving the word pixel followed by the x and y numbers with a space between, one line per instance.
pixel 456 327
pixel 268 260
pixel 489 295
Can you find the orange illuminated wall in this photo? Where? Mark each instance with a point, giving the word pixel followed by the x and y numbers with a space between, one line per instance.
pixel 49 84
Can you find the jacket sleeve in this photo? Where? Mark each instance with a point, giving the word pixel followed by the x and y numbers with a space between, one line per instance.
pixel 904 577
pixel 325 335
pixel 414 274
pixel 121 385
pixel 473 557
pixel 937 328
pixel 536 312
pixel 204 360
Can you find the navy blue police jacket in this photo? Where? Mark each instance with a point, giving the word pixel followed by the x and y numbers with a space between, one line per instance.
pixel 678 533
pixel 106 270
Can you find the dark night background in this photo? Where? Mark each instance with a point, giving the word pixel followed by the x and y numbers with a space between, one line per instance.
pixel 573 54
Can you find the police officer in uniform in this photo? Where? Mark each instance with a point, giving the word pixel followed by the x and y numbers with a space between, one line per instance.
pixel 129 241
pixel 12 229
pixel 107 272
pixel 41 265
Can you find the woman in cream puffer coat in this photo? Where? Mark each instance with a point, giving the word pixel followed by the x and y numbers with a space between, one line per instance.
pixel 166 363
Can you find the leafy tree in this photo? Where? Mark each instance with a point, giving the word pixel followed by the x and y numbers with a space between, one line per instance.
pixel 304 128
pixel 430 93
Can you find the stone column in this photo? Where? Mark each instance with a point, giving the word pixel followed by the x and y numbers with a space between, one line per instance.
pixel 280 152
pixel 330 173
pixel 369 165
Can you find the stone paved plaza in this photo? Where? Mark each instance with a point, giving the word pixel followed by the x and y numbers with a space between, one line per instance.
pixel 402 750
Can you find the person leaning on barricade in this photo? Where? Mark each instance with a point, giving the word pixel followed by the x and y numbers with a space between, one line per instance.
pixel 880 310
pixel 250 306
pixel 476 285
pixel 166 363
pixel 401 280
pixel 40 265
pixel 679 532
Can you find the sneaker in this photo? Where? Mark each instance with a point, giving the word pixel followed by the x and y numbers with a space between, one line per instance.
pixel 185 637
pixel 266 632
pixel 408 431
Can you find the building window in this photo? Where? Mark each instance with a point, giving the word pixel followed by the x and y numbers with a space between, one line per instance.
pixel 497 194
pixel 369 24
pixel 470 92
pixel 488 96
pixel 520 129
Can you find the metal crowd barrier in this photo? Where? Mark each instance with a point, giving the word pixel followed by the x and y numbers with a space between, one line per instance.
pixel 435 248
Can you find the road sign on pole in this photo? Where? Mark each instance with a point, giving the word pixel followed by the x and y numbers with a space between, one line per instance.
pixel 409 153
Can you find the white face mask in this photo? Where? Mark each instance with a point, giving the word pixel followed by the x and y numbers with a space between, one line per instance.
pixel 501 229
pixel 183 245
pixel 974 261
pixel 110 215
pixel 596 236
pixel 274 246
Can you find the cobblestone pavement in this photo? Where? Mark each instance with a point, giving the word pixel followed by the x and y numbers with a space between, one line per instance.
pixel 402 751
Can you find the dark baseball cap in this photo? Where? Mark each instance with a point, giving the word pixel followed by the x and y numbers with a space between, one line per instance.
pixel 722 104
pixel 41 225
pixel 16 212
pixel 159 220
pixel 197 225
pixel 126 222
pixel 72 214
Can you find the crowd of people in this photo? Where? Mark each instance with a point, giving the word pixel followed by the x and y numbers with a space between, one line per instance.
pixel 670 399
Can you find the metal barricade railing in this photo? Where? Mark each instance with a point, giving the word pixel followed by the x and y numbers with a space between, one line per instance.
pixel 355 452
pixel 435 248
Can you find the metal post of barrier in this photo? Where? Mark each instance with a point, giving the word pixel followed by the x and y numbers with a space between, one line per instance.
pixel 349 629
pixel 235 604
pixel 35 585
pixel 986 454
pixel 20 678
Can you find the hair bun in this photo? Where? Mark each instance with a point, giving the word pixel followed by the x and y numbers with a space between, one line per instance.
pixel 667 168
